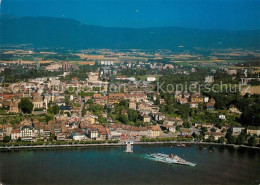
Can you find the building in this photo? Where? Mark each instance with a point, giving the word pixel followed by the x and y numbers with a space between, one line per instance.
pixel 216 135
pixel 1 134
pixel 15 134
pixel 14 107
pixel 26 133
pixel 209 79
pixel 196 98
pixel 93 133
pixel 253 131
pixel 146 118
pixel 193 105
pixel 61 137
pixel 237 130
pixel 38 102
pixel 132 105
pixel 151 79
pixel 78 136
pixel 209 106
pixel 154 131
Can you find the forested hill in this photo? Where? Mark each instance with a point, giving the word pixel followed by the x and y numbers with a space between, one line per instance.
pixel 57 32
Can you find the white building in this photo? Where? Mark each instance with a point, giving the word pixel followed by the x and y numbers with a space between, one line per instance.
pixel 151 79
pixel 26 133
pixel 79 137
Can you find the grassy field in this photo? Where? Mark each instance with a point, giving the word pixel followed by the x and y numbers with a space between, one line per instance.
pixel 251 90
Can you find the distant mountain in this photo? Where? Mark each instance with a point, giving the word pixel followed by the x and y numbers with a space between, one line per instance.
pixel 57 32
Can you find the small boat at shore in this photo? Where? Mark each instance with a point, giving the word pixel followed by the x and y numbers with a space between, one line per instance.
pixel 181 145
pixel 171 159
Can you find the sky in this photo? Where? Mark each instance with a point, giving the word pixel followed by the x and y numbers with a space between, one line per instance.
pixel 201 14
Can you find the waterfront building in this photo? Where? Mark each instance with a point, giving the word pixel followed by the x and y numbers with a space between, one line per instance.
pixel 253 131
pixel 15 134
pixel 26 133
pixel 1 134
pixel 237 130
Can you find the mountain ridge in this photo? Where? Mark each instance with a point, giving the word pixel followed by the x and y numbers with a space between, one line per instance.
pixel 60 32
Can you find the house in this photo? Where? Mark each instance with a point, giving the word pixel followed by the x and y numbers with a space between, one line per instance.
pixel 146 118
pixel 93 133
pixel 221 116
pixel 38 129
pixel 253 131
pixel 132 104
pixel 196 98
pixel 207 125
pixel 186 132
pixel 14 107
pixel 237 130
pixel 231 71
pixel 1 134
pixel 177 94
pixel 7 129
pixel 46 131
pixel 162 101
pixel 115 97
pixel 183 100
pixel 193 105
pixel 216 135
pixel 38 102
pixel 209 106
pixel 114 135
pixel 61 137
pixel 178 121
pixel 154 131
pixel 234 109
pixel 26 133
pixel 158 116
pixel 186 95
pixel 78 136
pixel 15 134
pixel 170 121
pixel 103 135
pixel 206 99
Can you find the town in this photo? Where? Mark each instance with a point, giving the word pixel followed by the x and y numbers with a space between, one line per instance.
pixel 107 96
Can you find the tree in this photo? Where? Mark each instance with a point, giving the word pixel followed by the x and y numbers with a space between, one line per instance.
pixel 213 130
pixel 200 137
pixel 211 138
pixel 123 118
pixel 204 129
pixel 25 105
pixel 124 103
pixel 221 140
pixel 241 139
pixel 49 116
pixel 54 109
pixel 232 140
pixel 252 141
pixel 84 111
pixel 6 139
pixel 186 124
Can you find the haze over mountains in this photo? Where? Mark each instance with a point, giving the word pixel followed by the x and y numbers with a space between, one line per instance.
pixel 57 32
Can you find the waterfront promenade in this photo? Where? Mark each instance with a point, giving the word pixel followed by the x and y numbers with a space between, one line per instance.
pixel 4 148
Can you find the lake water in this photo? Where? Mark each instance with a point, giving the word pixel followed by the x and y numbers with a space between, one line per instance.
pixel 110 165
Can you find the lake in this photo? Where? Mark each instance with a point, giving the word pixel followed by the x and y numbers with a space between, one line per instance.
pixel 110 165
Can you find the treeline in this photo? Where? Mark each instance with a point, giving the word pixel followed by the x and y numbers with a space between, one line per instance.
pixel 13 75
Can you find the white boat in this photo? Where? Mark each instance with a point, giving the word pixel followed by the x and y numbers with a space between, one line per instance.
pixel 170 159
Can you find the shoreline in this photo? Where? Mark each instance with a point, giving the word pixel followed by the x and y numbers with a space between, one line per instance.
pixel 9 148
